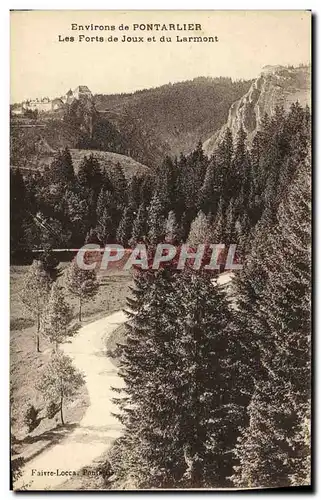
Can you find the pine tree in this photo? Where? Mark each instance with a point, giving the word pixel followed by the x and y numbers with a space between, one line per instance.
pixel 172 232
pixel 81 283
pixel 101 202
pixel 134 189
pixel 230 220
pixel 211 189
pixel 31 417
pixel 90 174
pixel 240 166
pixel 200 230
pixel 156 220
pixel 217 389
pixel 223 157
pixel 243 234
pixel 105 180
pixel 68 166
pixel 60 380
pixel 192 173
pixel 105 229
pixel 76 211
pixel 119 185
pixel 256 155
pixel 166 184
pixel 218 231
pixel 137 456
pixel 61 170
pixel 146 189
pixel 183 425
pixel 34 294
pixel 125 227
pixel 108 216
pixel 57 317
pixel 139 227
pixel 273 450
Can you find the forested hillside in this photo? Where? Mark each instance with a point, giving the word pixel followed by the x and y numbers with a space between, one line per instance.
pixel 174 117
pixel 145 125
pixel 233 190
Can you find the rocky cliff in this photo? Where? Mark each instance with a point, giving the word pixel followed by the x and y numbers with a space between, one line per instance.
pixel 276 85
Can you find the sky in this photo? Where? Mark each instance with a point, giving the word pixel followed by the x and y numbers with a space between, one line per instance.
pixel 41 65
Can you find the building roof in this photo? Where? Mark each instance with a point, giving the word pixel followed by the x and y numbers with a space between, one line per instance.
pixel 69 92
pixel 83 89
pixel 57 101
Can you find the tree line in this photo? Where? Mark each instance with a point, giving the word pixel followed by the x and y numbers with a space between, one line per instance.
pixel 224 196
pixel 46 299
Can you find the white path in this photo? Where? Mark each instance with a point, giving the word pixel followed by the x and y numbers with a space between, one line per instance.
pixel 99 427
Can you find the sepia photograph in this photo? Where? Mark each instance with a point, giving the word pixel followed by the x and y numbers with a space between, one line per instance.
pixel 160 250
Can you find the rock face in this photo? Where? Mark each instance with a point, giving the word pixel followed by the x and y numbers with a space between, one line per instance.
pixel 276 86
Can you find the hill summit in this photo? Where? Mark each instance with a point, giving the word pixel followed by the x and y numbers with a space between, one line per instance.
pixel 275 86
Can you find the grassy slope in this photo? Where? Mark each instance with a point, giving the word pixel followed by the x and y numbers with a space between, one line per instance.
pixel 109 161
pixel 26 364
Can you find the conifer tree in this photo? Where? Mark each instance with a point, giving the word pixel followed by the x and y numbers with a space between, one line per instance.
pixel 218 232
pixel 200 230
pixel 240 166
pixel 76 209
pixel 90 174
pixel 166 184
pixel 147 189
pixel 182 427
pixel 101 202
pixel 156 220
pixel 230 220
pixel 139 227
pixel 34 294
pixel 256 155
pixel 273 450
pixel 172 230
pixel 223 157
pixel 105 229
pixel 211 189
pixel 243 234
pixel 124 229
pixel 106 182
pixel 193 169
pixel 119 185
pixel 137 459
pixel 61 170
pixel 81 283
pixel 134 192
pixel 108 216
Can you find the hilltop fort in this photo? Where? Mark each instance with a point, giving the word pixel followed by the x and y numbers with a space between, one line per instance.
pixel 45 104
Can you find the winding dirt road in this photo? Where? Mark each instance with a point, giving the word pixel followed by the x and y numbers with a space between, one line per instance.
pixel 98 428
